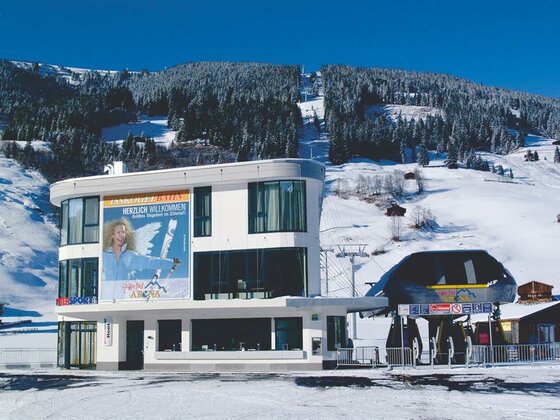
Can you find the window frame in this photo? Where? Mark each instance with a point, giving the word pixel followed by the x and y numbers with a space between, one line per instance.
pixel 293 327
pixel 65 222
pixel 256 200
pixel 65 288
pixel 199 220
pixel 334 323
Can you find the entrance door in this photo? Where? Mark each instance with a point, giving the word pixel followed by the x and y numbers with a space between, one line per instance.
pixel 135 345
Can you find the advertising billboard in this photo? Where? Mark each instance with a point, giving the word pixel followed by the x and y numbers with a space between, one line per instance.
pixel 145 246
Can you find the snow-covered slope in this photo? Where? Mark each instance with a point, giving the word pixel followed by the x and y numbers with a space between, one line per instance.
pixel 72 75
pixel 406 112
pixel 514 219
pixel 28 254
pixel 154 127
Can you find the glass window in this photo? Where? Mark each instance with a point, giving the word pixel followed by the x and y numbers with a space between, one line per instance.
pixel 169 335
pixel 203 211
pixel 289 333
pixel 80 221
pixel 231 334
pixel 336 332
pixel 277 206
pixel 256 273
pixel 63 279
pixel 75 222
pixel 76 344
pixel 64 224
pixel 91 220
pixel 78 278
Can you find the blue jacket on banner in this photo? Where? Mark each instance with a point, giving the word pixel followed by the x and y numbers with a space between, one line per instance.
pixel 130 261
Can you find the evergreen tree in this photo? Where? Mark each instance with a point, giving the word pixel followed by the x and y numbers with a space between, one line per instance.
pixel 423 156
pixel 556 155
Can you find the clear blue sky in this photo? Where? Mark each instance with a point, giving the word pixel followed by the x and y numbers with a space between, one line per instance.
pixel 512 44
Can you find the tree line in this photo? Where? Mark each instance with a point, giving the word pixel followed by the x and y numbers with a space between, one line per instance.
pixel 222 111
pixel 470 117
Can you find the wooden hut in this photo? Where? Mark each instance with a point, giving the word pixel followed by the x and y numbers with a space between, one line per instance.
pixel 395 210
pixel 534 291
pixel 410 175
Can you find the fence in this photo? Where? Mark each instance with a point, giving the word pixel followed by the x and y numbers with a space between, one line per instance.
pixel 395 356
pixel 515 353
pixel 367 356
pixel 17 357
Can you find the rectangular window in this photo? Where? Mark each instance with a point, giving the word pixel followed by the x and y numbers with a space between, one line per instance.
pixel 64 224
pixel 231 334
pixel 250 274
pixel 169 335
pixel 289 333
pixel 79 221
pixel 63 279
pixel 203 211
pixel 77 344
pixel 78 278
pixel 336 332
pixel 277 206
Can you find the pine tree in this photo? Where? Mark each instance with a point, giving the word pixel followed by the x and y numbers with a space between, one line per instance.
pixel 556 155
pixel 423 156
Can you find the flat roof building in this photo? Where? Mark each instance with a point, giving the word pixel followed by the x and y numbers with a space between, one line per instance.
pixel 198 269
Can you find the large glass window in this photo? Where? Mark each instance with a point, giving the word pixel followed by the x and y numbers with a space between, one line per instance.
pixel 203 211
pixel 246 274
pixel 169 335
pixel 79 221
pixel 78 278
pixel 277 206
pixel 336 332
pixel 76 344
pixel 289 333
pixel 231 334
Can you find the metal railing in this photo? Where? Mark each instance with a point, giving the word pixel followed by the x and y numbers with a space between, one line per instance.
pixel 367 356
pixel 32 356
pixel 398 356
pixel 515 353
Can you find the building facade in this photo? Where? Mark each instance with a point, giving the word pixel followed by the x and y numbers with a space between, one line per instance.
pixel 198 269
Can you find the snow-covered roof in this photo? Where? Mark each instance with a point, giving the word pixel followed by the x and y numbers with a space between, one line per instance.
pixel 517 310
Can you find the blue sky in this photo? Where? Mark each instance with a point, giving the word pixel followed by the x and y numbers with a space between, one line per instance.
pixel 512 44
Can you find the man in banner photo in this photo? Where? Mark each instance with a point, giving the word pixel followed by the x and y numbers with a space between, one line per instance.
pixel 145 246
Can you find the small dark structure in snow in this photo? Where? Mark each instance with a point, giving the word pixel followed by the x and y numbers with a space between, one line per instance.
pixel 535 291
pixel 453 165
pixel 410 175
pixel 558 218
pixel 395 210
pixel 556 142
pixel 2 310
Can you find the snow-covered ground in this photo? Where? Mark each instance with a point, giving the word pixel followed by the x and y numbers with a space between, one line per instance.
pixel 155 127
pixel 28 257
pixel 507 392
pixel 406 112
pixel 72 75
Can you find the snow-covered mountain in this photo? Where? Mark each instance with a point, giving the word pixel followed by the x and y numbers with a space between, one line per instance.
pixel 513 218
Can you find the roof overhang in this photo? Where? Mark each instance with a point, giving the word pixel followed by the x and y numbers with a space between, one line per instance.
pixel 352 304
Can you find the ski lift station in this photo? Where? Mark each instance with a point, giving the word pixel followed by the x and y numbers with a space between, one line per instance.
pixel 197 269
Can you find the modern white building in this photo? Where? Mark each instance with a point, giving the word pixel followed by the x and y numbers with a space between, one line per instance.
pixel 208 268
